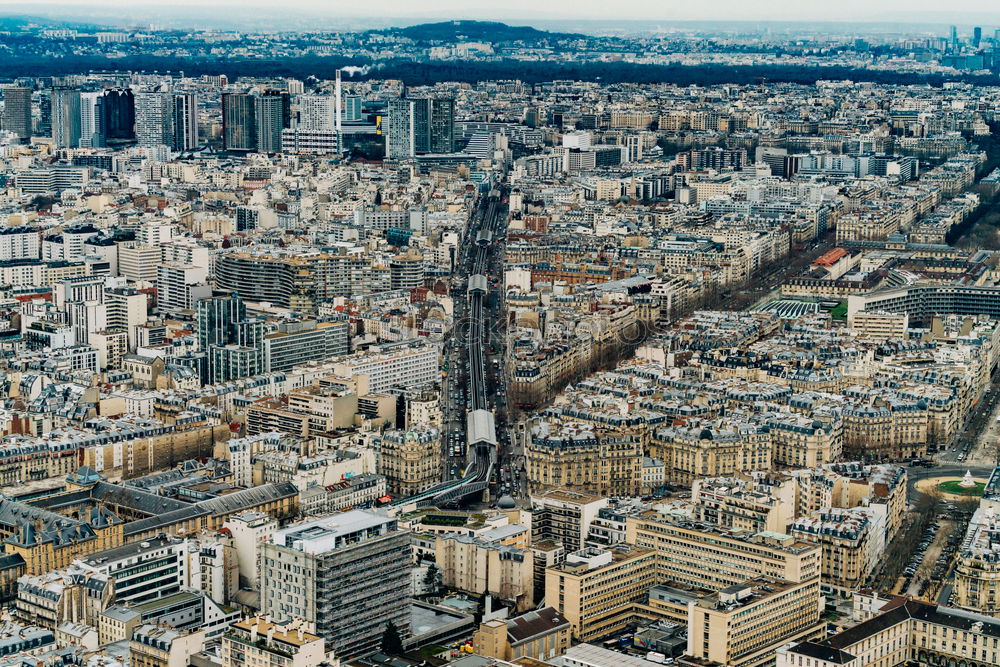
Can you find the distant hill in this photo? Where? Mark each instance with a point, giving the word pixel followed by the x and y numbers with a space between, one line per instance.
pixel 16 22
pixel 477 31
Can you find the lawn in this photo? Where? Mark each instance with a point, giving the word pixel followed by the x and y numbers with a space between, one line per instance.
pixel 431 651
pixel 840 311
pixel 955 487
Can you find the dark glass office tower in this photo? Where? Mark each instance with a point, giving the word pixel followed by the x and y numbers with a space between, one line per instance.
pixel 239 124
pixel 17 112
pixel 119 114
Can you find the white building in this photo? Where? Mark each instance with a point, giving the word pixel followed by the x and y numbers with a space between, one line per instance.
pixel 386 367
pixel 249 531
pixel 19 243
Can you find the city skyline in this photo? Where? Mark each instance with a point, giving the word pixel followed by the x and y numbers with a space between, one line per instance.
pixel 965 12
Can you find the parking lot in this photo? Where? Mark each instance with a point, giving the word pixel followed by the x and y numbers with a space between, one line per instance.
pixel 932 559
pixel 927 573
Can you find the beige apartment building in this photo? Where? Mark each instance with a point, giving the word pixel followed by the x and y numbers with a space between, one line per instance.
pixel 156 646
pixel 579 457
pixel 887 431
pixel 484 567
pixel 411 459
pixel 743 625
pixel 632 120
pixel 132 458
pixel 853 541
pixel 880 325
pixel 797 443
pixel 977 570
pixel 692 452
pixel 539 371
pixel 257 642
pixel 595 589
pixel 715 558
pixel 906 632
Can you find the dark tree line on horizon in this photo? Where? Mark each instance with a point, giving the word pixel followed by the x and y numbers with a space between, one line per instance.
pixel 427 73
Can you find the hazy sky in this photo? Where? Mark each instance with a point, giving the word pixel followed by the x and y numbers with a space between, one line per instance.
pixel 653 10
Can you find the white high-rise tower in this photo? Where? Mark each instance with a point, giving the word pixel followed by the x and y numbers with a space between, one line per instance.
pixel 340 103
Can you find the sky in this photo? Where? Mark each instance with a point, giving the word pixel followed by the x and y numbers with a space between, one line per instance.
pixel 959 11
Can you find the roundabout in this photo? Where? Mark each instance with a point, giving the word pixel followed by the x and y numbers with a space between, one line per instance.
pixel 952 487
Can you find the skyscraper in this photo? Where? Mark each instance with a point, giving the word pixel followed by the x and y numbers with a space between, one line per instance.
pixel 239 125
pixel 185 121
pixel 977 36
pixel 44 114
pixel 286 105
pixel 66 117
pixel 441 118
pixel 269 115
pixel 417 126
pixel 167 119
pixel 351 578
pixel 119 114
pixel 17 111
pixel 234 343
pixel 93 132
pixel 954 39
pixel 316 113
pixel 352 109
pixel 399 129
pixel 216 317
pixel 154 119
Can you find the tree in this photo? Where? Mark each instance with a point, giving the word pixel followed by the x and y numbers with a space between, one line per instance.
pixel 392 644
pixel 41 203
pixel 432 579
pixel 991 448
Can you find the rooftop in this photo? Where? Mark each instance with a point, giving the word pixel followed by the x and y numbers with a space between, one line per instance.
pixel 323 534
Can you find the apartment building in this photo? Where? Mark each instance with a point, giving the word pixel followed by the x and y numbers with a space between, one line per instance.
pixel 711 450
pixel 155 646
pixel 888 430
pixel 71 595
pixel 701 556
pixel 905 632
pixel 564 516
pixel 743 625
pixel 486 566
pixel 800 442
pixel 577 456
pixel 258 642
pixel 401 365
pixel 853 542
pixel 348 575
pixel 977 569
pixel 595 589
pixel 410 460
